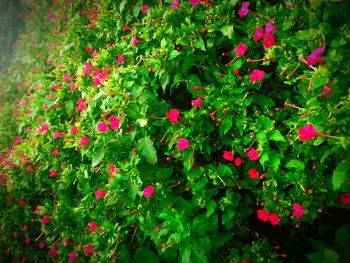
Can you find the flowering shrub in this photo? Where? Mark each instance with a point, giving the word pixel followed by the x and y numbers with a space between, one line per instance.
pixel 180 131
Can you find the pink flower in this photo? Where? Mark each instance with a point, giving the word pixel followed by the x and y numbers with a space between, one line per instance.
pixel 315 56
pixel 102 127
pixel 326 90
pixel 241 49
pixel 52 251
pixel 298 210
pixel 148 191
pixel 115 122
pixel 259 34
pixel 194 2
pixel 253 154
pixel 182 144
pixel 88 249
pixel 84 141
pixel 238 161
pixel 72 256
pixel 121 58
pixel 144 9
pixel 87 68
pixel 54 152
pixel 126 27
pixel 41 245
pixel 14 234
pixel 92 226
pixel 269 41
pixel 97 82
pixel 103 74
pixel 99 193
pixel 244 9
pixel 175 4
pixel 74 129
pixel 263 215
pixel 256 75
pixel 57 135
pixel 197 102
pixel 196 87
pixel 253 173
pixel 53 173
pixel 135 41
pixel 45 220
pixel 111 169
pixel 228 155
pixel 274 219
pixel 81 104
pixel 71 86
pixel 269 28
pixel 27 240
pixel 66 77
pixel 173 115
pixel 43 128
pixel 307 132
pixel 344 198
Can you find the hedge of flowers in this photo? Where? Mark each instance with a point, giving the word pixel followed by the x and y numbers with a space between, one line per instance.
pixel 178 131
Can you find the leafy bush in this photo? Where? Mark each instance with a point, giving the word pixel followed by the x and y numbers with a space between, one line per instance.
pixel 181 132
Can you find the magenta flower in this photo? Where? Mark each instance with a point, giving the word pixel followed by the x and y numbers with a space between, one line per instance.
pixel 52 251
pixel 144 9
pixel 175 4
pixel 41 245
pixel 298 210
pixel 259 34
pixel 43 128
pixel 45 220
pixel 197 102
pixel 182 144
pixel 244 9
pixel 88 249
pixel 253 154
pixel 54 152
pixel 269 41
pixel 81 104
pixel 173 115
pixel 121 58
pixel 126 27
pixel 21 202
pixel 194 2
pixel 241 49
pixel 84 141
pixel 307 132
pixel 27 240
pixel 315 56
pixel 148 191
pixel 102 127
pixel 256 75
pixel 326 90
pixel 274 219
pixel 71 86
pixel 269 28
pixel 66 77
pixel 92 226
pixel 135 41
pixel 99 193
pixel 74 129
pixel 53 173
pixel 97 82
pixel 115 122
pixel 72 256
pixel 87 68
pixel 57 135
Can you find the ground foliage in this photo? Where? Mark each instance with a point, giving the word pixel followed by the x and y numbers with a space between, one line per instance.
pixel 178 131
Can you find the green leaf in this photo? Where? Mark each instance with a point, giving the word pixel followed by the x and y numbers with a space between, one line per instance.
pixel 185 254
pixel 173 54
pixel 199 44
pixel 69 107
pixel 297 164
pixel 276 136
pixel 211 207
pixel 340 175
pixel 199 185
pixel 143 254
pixel 225 125
pixel 147 150
pixel 97 157
pixel 133 111
pixel 275 160
pixel 227 31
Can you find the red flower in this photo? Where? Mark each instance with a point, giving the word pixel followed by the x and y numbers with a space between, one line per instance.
pixel 102 127
pixel 253 173
pixel 84 141
pixel 99 193
pixel 256 75
pixel 52 251
pixel 173 115
pixel 111 169
pixel 54 152
pixel 88 249
pixel 259 34
pixel 345 198
pixel 244 9
pixel 241 49
pixel 41 245
pixel 45 220
pixel 238 161
pixel 326 90
pixel 92 226
pixel 236 72
pixel 89 49
pixel 148 191
pixel 307 132
pixel 196 103
pixel 182 144
pixel 228 156
pixel 115 122
pixel 27 240
pixel 126 27
pixel 53 173
pixel 274 219
pixel 144 9
pixel 298 210
pixel 72 256
pixel 269 41
pixel 263 215
pixel 121 59
pixel 253 154
pixel 21 202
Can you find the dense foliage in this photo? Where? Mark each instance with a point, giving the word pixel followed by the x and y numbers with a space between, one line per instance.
pixel 178 131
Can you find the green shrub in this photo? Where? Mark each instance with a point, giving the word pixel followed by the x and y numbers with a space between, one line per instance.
pixel 209 131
